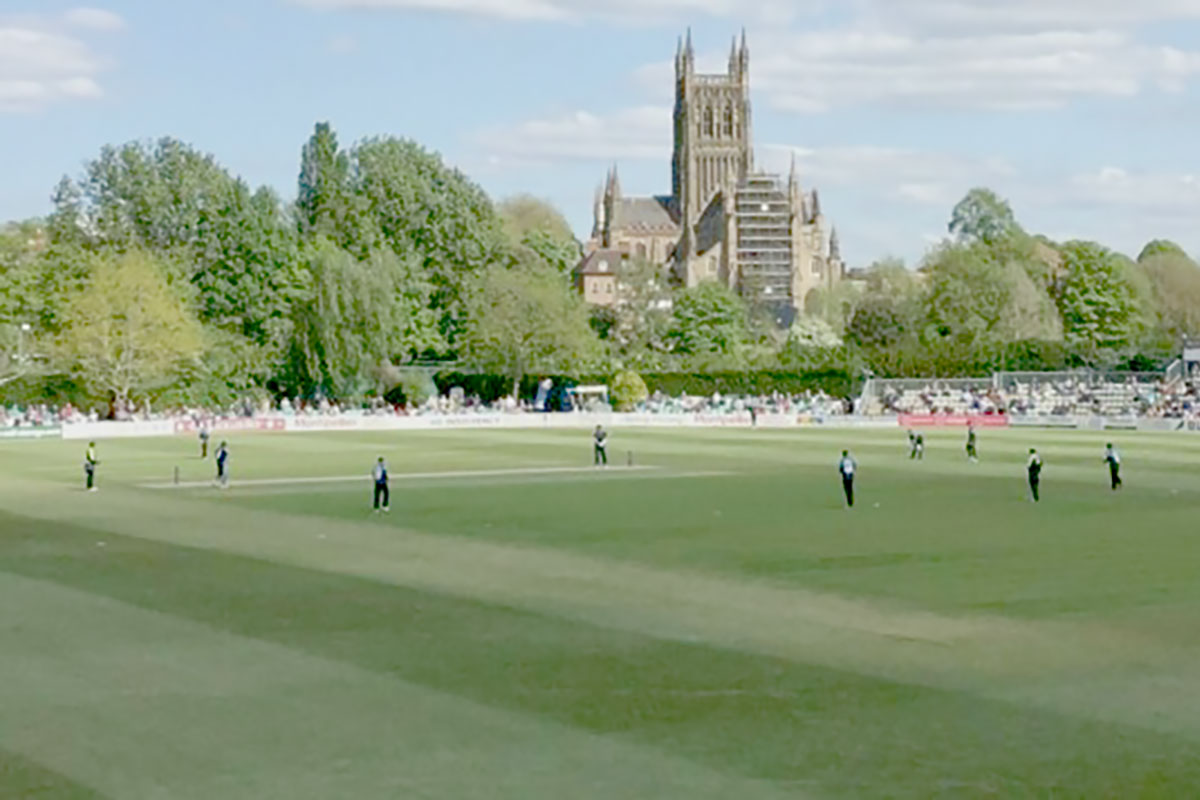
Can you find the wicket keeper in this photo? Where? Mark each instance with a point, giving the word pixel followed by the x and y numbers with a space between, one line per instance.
pixel 600 447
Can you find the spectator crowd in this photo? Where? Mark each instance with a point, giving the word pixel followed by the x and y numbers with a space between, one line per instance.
pixel 1060 396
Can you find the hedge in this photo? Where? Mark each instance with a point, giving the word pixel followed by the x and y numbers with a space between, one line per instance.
pixel 838 383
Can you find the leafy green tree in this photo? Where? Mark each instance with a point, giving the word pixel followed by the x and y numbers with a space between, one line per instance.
pixel 1098 302
pixel 835 305
pixel 889 309
pixel 528 222
pixel 967 296
pixel 809 331
pixel 1160 247
pixel 525 321
pixel 1031 314
pixel 642 314
pixel 355 320
pixel 983 216
pixel 628 390
pixel 1175 285
pixel 523 214
pixel 325 196
pixel 602 320
pixel 420 206
pixel 126 334
pixel 235 246
pixel 561 254
pixel 708 318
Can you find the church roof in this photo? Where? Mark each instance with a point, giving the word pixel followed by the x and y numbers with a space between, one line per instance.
pixel 645 214
pixel 599 262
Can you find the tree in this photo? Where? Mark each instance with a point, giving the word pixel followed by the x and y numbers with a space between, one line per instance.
pixel 812 332
pixel 889 309
pixel 1160 247
pixel 967 295
pixel 420 206
pixel 982 216
pixel 641 314
pixel 126 334
pixel 235 246
pixel 325 196
pixel 528 222
pixel 708 318
pixel 523 214
pixel 1175 284
pixel 523 321
pixel 561 254
pixel 628 390
pixel 1098 302
pixel 356 319
pixel 835 305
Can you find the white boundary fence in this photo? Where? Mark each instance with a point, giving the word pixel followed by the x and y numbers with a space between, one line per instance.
pixel 110 430
pixel 281 425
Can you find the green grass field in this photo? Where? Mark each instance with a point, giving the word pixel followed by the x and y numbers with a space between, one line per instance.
pixel 711 624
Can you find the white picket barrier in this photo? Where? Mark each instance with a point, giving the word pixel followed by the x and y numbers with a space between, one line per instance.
pixel 350 422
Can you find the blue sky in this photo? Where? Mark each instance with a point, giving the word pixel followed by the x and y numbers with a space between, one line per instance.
pixel 1083 113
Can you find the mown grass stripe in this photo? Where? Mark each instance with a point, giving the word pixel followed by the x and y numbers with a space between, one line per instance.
pixel 831 732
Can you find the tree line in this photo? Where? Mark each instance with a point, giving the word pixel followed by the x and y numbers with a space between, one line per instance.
pixel 161 276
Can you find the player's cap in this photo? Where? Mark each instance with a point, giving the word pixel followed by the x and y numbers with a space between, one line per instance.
pixel 845 452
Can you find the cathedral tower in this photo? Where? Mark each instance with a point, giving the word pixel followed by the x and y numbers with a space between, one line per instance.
pixel 712 130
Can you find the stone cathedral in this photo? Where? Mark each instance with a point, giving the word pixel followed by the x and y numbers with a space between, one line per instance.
pixel 758 232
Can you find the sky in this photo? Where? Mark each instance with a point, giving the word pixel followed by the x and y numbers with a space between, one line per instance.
pixel 1082 113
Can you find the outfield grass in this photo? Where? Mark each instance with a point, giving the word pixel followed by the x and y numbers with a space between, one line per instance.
pixel 710 624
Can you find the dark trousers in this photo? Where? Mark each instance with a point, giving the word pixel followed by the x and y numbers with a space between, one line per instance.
pixel 203 449
pixel 221 472
pixel 1034 483
pixel 91 476
pixel 599 455
pixel 382 495
pixel 848 489
pixel 971 451
pixel 1115 473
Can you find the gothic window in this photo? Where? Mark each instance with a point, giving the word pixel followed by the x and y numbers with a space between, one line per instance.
pixel 728 121
pixel 641 251
pixel 708 120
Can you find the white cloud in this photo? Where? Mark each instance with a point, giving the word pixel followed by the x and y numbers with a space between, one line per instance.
pixel 814 72
pixel 94 18
pixel 979 54
pixel 643 132
pixel 1009 15
pixel 914 15
pixel 41 64
pixel 923 177
pixel 629 11
pixel 1155 195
